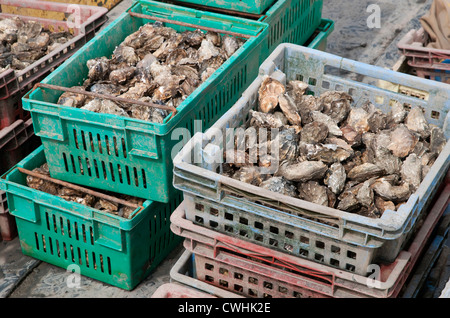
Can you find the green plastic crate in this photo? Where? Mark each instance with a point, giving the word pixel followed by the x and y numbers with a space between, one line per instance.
pixel 249 6
pixel 290 21
pixel 117 251
pixel 135 149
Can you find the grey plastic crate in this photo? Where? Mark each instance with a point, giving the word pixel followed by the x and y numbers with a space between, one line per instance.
pixel 352 240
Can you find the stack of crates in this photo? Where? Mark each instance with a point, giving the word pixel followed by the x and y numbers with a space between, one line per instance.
pixel 122 155
pixel 116 154
pixel 17 137
pixel 425 62
pixel 297 248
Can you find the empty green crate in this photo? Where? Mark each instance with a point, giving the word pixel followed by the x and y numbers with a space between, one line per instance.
pixel 117 251
pixel 290 21
pixel 132 156
pixel 248 6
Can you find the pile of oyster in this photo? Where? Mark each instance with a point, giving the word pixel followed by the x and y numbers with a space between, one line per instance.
pixel 155 64
pixel 89 200
pixel 358 160
pixel 24 42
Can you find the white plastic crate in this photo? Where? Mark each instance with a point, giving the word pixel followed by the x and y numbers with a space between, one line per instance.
pixel 341 239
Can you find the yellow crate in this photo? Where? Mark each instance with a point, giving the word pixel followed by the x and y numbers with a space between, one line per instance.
pixel 402 66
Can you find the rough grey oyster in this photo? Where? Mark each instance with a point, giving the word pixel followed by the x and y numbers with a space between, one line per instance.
pixel 335 178
pixel 402 141
pixel 365 171
pixel 312 191
pixel 99 68
pixel 416 122
pixel 280 185
pixel 289 109
pixel 303 171
pixel 335 104
pixel 315 132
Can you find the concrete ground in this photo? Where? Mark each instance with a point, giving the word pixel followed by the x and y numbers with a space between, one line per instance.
pixel 22 276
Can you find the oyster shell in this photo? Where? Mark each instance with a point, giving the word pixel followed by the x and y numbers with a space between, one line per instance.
pixel 125 54
pixel 98 68
pixel 402 141
pixel 437 140
pixel 148 113
pixel 312 191
pixel 122 75
pixel 39 42
pixel 306 105
pixel 303 171
pixel 336 104
pixel 358 120
pixel 315 132
pixel 297 90
pixel 269 92
pixel 397 114
pixel 279 185
pixel 214 37
pixel 383 205
pixel 351 136
pixel 105 205
pixel 365 171
pixel 105 106
pixel 289 109
pixel 267 120
pixel 335 178
pixel 389 192
pixel 377 120
pixel 195 38
pixel 287 141
pixel 416 122
pixel 230 45
pixel 207 50
pixel 40 184
pixel 106 89
pixel 333 128
pixel 140 37
pixel 250 174
pixel 72 99
pixel 348 199
pixel 411 171
pixel 365 195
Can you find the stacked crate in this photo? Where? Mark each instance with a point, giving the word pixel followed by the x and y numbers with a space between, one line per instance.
pixel 135 155
pixel 425 62
pixel 315 250
pixel 17 137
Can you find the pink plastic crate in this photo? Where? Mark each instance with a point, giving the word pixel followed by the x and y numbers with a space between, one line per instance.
pixel 14 84
pixel 428 62
pixel 218 256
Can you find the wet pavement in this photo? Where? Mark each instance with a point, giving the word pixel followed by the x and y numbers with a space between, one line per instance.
pixel 22 276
